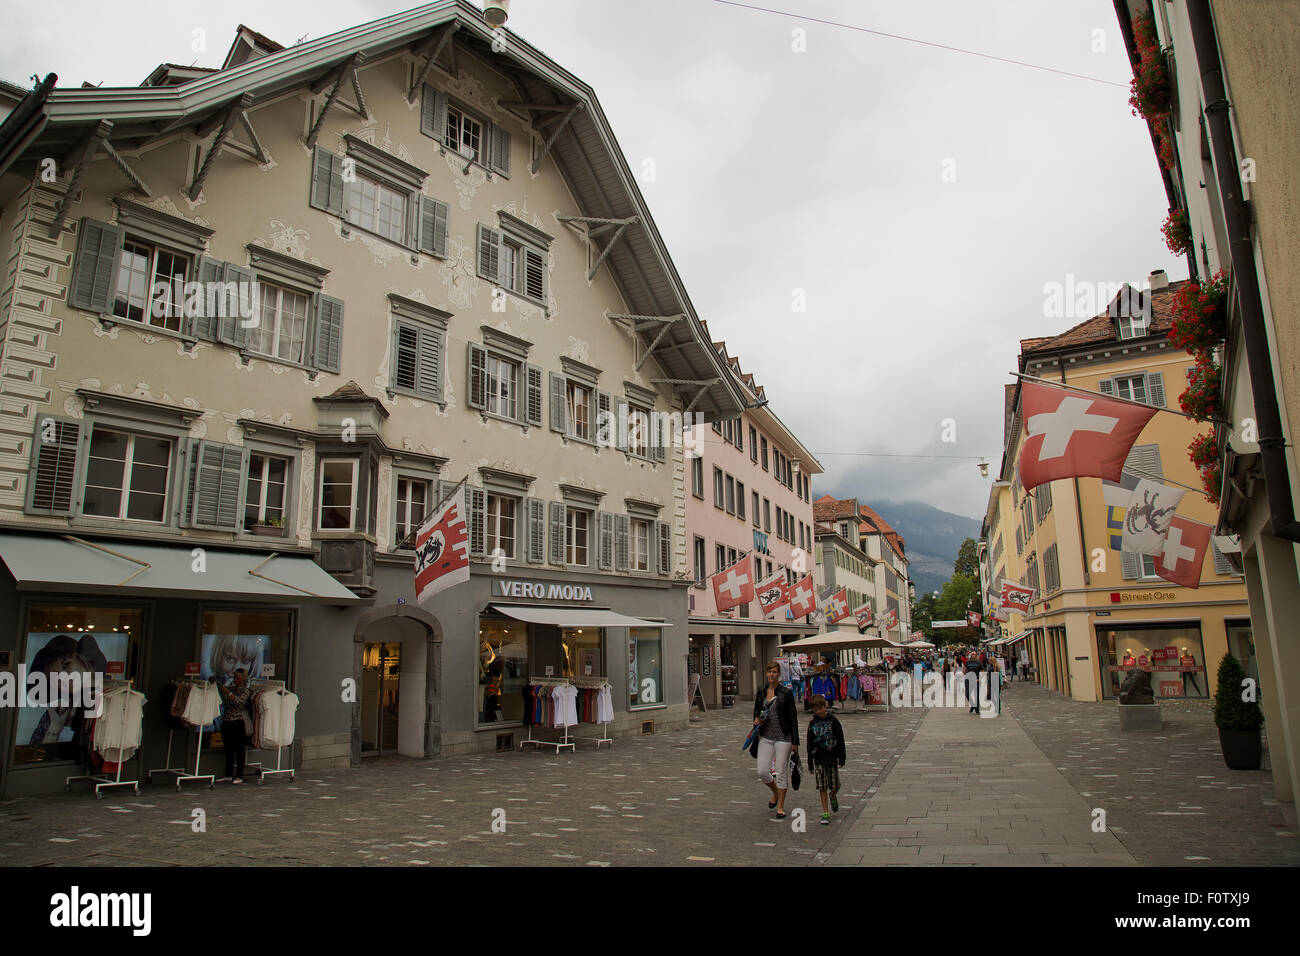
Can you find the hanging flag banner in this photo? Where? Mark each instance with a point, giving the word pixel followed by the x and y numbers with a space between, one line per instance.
pixel 803 599
pixel 1117 495
pixel 442 548
pixel 1073 435
pixel 863 616
pixel 1016 597
pixel 772 592
pixel 973 618
pixel 1147 517
pixel 835 605
pixel 1183 555
pixel 890 620
pixel 734 586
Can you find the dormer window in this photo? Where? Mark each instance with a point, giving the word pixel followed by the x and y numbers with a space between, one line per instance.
pixel 464 133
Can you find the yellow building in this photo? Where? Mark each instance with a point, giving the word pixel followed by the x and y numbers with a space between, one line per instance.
pixel 1096 607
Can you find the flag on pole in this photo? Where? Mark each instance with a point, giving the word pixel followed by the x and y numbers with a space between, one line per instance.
pixel 1183 554
pixel 1148 515
pixel 835 603
pixel 1016 597
pixel 973 618
pixel 442 548
pixel 734 586
pixel 772 592
pixel 863 616
pixel 803 599
pixel 1073 435
pixel 1117 495
pixel 890 621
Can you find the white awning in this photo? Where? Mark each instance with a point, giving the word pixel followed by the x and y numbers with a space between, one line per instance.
pixel 836 642
pixel 573 616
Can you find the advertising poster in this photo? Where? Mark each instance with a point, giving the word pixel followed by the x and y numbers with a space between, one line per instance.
pixel 220 655
pixel 53 653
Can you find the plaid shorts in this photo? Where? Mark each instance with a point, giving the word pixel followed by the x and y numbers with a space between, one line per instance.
pixel 827 776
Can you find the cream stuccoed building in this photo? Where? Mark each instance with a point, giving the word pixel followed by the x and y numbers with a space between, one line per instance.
pixel 257 319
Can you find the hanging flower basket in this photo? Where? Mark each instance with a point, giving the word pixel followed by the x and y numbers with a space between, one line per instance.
pixel 1200 315
pixel 1178 232
pixel 1149 92
pixel 1204 454
pixel 1201 397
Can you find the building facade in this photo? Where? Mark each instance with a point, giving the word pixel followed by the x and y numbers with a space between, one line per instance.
pixel 883 548
pixel 261 319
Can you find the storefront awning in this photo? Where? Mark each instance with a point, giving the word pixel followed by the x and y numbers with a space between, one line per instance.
pixel 836 642
pixel 573 616
pixel 68 563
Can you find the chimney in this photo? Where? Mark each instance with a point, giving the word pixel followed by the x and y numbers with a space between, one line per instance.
pixel 496 12
pixel 1158 280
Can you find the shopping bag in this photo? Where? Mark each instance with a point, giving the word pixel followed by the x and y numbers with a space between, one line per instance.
pixel 749 741
pixel 794 772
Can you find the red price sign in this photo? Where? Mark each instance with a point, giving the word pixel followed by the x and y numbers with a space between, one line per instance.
pixel 116 667
pixel 192 669
pixel 1171 688
pixel 1142 661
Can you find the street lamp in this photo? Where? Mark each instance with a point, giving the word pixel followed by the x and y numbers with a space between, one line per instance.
pixel 984 468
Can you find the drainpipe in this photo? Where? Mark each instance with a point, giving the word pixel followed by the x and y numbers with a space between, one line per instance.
pixel 1272 443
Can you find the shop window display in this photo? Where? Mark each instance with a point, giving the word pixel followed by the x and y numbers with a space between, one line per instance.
pixel 71 640
pixel 502 671
pixel 580 648
pixel 258 641
pixel 645 670
pixel 1174 656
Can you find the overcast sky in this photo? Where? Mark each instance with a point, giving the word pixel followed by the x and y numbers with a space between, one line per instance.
pixel 822 171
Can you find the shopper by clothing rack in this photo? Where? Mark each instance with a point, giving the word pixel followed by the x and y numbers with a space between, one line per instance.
pixel 195 703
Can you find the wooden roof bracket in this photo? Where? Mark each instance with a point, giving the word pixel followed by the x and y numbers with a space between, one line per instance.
pixel 434 47
pixel 600 226
pixel 345 71
pixel 98 137
pixel 665 324
pixel 555 134
pixel 237 109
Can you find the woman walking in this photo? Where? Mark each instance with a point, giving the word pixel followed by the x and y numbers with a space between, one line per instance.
pixel 778 737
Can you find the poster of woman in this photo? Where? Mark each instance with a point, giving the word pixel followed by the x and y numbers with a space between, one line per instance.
pixel 47 732
pixel 223 654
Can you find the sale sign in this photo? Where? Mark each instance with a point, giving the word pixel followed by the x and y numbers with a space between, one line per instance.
pixel 1171 688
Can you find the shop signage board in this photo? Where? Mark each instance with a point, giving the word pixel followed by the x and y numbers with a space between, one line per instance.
pixel 115 667
pixel 550 591
pixel 708 660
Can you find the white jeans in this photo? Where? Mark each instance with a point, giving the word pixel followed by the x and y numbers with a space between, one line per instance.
pixel 776 752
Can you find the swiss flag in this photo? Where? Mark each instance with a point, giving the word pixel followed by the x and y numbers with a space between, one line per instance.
pixel 803 598
pixel 442 548
pixel 772 593
pixel 734 586
pixel 1184 552
pixel 973 618
pixel 1074 435
pixel 837 606
pixel 1016 597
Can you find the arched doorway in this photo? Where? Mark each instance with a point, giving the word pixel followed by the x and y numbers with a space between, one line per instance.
pixel 397 666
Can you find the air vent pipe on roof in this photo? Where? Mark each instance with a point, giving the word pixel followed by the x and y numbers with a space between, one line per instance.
pixel 496 12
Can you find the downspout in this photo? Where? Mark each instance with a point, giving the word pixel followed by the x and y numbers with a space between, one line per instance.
pixel 1272 442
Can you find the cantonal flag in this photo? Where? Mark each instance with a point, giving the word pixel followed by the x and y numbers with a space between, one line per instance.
pixel 1075 435
pixel 1016 597
pixel 863 616
pixel 1148 515
pixel 442 548
pixel 803 597
pixel 772 592
pixel 1184 552
pixel 734 586
pixel 890 620
pixel 836 606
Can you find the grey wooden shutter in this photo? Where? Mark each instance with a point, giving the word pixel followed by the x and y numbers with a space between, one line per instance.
pixel 444 489
pixel 433 113
pixel 1131 565
pixel 1143 461
pixel 52 475
pixel 620 429
pixel 1107 387
pixel 1156 389
pixel 94 271
pixel 328 349
pixel 658 451
pixel 204 323
pixel 603 421
pixel 664 532
pixel 534 275
pixel 533 395
pixel 477 376
pixel 1222 565
pixel 231 328
pixel 489 253
pixel 477 531
pixel 406 355
pixel 433 227
pixel 535 510
pixel 559 402
pixel 428 380
pixel 557 532
pixel 217 480
pixel 327 181
pixel 606 555
pixel 498 150
pixel 622 533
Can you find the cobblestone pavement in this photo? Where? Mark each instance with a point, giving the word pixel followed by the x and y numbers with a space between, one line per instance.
pixel 1168 796
pixel 682 798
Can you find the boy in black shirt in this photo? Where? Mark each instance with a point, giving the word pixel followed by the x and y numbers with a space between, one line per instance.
pixel 825 755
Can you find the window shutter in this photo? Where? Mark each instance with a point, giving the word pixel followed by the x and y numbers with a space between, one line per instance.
pixel 428 380
pixel 559 397
pixel 498 150
pixel 204 324
pixel 606 541
pixel 433 113
pixel 216 480
pixel 557 532
pixel 433 227
pixel 622 531
pixel 606 428
pixel 477 376
pixel 94 272
pixel 620 433
pixel 1107 387
pixel 51 478
pixel 534 395
pixel 534 275
pixel 1132 565
pixel 327 181
pixel 665 533
pixel 489 253
pixel 230 326
pixel 477 532
pixel 657 450
pixel 536 511
pixel 328 349
pixel 1221 563
pixel 1156 389
pixel 444 489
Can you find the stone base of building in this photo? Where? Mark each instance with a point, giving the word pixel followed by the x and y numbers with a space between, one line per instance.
pixel 324 752
pixel 1139 718
pixel 485 740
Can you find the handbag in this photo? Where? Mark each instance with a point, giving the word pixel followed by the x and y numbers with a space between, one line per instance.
pixel 753 736
pixel 794 773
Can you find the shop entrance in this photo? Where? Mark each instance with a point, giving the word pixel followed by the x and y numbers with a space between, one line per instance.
pixel 381 668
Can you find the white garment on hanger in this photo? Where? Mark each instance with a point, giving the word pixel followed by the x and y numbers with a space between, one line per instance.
pixel 275 719
pixel 117 730
pixel 202 706
pixel 604 705
pixel 565 697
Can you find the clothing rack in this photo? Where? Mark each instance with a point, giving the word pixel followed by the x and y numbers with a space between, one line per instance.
pixel 182 772
pixel 565 739
pixel 269 686
pixel 595 683
pixel 102 780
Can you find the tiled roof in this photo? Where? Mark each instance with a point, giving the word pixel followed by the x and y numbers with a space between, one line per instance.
pixel 1103 328
pixel 349 392
pixel 880 523
pixel 827 508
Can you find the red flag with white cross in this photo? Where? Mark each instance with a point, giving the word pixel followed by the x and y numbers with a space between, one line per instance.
pixel 1184 553
pixel 734 586
pixel 803 597
pixel 973 618
pixel 1076 435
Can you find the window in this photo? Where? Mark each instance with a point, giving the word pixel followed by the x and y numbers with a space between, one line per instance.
pixel 731 495
pixel 698 553
pixel 515 257
pixel 740 436
pixel 720 557
pixel 380 194
pixel 767 515
pixel 641 544
pixel 412 507
pixel 150 285
pixel 464 133
pixel 419 343
pixel 763 443
pixel 753 444
pixel 501 671
pixel 499 526
pixel 127 476
pixel 281 328
pixel 718 500
pixel 728 434
pixel 740 500
pixel 264 496
pixel 575 536
pixel 578 403
pixel 376 208
pixel 645 666
pixel 697 477
pixel 1133 388
pixel 753 510
pixel 638 431
pixel 338 494
pixel 502 386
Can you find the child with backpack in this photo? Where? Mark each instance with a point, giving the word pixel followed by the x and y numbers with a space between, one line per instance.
pixel 825 755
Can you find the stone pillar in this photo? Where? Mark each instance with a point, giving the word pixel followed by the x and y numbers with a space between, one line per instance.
pixel 1279 592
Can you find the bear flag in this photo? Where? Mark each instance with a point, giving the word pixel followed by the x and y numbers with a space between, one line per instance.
pixel 442 548
pixel 1075 434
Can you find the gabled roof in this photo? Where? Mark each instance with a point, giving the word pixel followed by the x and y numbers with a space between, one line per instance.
pixel 586 153
pixel 1104 328
pixel 827 508
pixel 248 45
pixel 882 526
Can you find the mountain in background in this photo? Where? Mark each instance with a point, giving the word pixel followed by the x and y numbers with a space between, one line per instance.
pixel 931 538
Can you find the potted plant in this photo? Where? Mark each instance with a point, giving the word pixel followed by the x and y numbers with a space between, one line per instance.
pixel 270 528
pixel 1201 397
pixel 1178 232
pixel 1200 315
pixel 1204 453
pixel 1239 720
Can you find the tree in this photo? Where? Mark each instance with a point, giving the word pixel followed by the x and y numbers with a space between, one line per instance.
pixel 960 594
pixel 923 615
pixel 967 559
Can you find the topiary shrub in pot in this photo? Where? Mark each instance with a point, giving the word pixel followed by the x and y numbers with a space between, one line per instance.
pixel 1238 720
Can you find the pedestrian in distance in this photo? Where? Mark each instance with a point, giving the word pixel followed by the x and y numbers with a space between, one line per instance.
pixel 825 756
pixel 973 684
pixel 777 718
